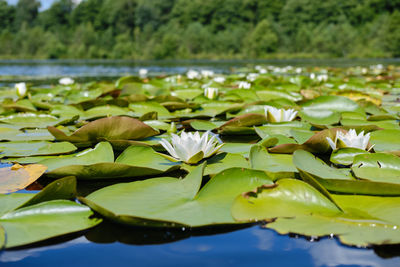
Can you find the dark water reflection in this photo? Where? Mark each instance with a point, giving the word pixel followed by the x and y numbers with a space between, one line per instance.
pixel 110 244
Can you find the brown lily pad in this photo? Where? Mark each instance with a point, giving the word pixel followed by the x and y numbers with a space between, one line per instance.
pixel 110 129
pixel 18 177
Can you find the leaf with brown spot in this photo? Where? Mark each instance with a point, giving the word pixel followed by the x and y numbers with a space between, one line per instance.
pixel 18 177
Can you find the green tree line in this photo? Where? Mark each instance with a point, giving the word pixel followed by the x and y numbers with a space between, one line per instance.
pixel 168 29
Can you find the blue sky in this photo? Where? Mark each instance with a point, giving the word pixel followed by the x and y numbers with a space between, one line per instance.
pixel 45 3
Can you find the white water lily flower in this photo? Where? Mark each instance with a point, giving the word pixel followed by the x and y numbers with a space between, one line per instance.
pixel 279 115
pixel 191 147
pixel 193 74
pixel 244 85
pixel 252 77
pixel 21 89
pixel 350 139
pixel 211 93
pixel 219 79
pixel 260 69
pixel 143 73
pixel 207 73
pixel 66 81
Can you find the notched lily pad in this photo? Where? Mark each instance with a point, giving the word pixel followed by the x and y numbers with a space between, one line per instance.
pixel 175 202
pixel 292 206
pixel 345 156
pixel 378 167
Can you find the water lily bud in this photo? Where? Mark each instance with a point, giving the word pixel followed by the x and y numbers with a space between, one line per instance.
pixel 211 93
pixel 22 90
pixel 66 81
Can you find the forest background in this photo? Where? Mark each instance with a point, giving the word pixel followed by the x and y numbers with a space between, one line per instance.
pixel 200 29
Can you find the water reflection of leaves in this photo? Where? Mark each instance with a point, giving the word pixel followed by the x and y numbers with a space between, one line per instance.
pixel 109 232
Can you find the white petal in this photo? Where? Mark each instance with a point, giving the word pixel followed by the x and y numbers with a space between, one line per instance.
pixel 169 148
pixel 331 143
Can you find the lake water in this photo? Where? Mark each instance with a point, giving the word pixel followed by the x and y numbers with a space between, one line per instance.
pixel 114 245
pixel 39 70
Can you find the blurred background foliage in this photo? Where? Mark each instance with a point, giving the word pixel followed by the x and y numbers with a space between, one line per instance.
pixel 212 29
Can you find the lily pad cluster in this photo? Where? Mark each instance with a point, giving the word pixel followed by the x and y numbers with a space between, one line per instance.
pixel 303 154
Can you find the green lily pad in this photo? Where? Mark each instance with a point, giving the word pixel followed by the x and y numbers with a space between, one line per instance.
pixel 307 162
pixel 141 108
pixel 340 180
pixel 385 140
pixel 345 156
pixel 45 220
pixel 98 163
pixel 64 188
pixel 201 125
pixel 283 128
pixel 241 94
pixel 23 105
pixel 267 95
pixel 27 218
pixel 320 117
pixel 332 103
pixel 157 124
pixel 275 165
pixel 126 80
pixel 176 202
pixel 80 96
pixel 30 120
pixel 379 167
pixel 66 111
pixel 103 111
pixel 26 135
pixel 352 123
pixel 287 197
pixel 237 148
pixel 102 152
pixel 187 94
pixel 351 230
pixel 301 135
pixel 301 209
pixel 213 109
pixel 221 162
pixel 35 148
